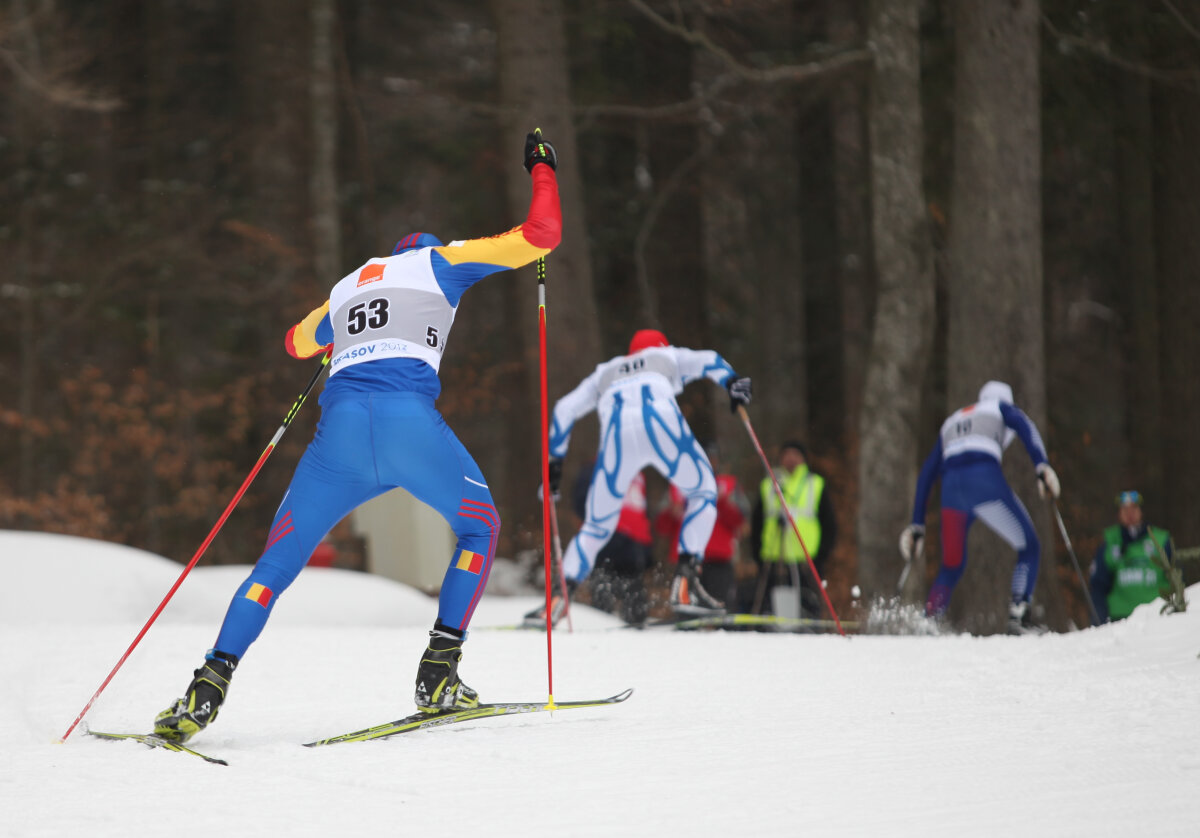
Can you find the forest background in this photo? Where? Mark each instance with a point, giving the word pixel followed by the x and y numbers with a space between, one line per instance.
pixel 869 207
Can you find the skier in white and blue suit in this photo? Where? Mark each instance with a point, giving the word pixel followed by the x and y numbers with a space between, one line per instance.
pixel 641 425
pixel 967 455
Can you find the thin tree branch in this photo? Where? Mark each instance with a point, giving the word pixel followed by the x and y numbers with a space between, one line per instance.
pixel 1183 21
pixel 788 73
pixel 66 96
pixel 683 111
pixel 1068 43
pixel 670 187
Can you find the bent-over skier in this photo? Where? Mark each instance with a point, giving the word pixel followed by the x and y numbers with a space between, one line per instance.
pixel 385 325
pixel 967 454
pixel 641 425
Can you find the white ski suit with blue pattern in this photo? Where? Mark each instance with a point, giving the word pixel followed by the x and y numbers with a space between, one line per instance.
pixel 640 425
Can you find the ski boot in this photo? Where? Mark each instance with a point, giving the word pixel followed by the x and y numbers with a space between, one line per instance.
pixel 198 707
pixel 438 686
pixel 688 596
pixel 1020 619
pixel 559 604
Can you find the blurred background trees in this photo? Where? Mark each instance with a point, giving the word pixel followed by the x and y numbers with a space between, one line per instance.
pixel 870 207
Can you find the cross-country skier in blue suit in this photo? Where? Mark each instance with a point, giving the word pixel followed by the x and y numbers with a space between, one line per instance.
pixel 967 456
pixel 385 326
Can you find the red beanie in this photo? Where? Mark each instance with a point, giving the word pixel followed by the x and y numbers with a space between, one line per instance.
pixel 645 338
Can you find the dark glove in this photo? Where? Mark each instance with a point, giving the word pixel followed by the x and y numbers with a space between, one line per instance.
pixel 555 479
pixel 538 150
pixel 739 393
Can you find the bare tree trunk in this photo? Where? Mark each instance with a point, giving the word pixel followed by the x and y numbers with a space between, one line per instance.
pixel 1135 161
pixel 274 62
pixel 851 176
pixel 534 90
pixel 29 118
pixel 753 196
pixel 996 327
pixel 781 375
pixel 903 327
pixel 322 182
pixel 1177 133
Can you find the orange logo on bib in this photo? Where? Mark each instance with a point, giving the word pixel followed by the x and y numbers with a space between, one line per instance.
pixel 371 273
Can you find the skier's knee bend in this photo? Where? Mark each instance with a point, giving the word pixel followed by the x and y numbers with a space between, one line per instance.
pixel 477 535
pixel 1033 548
pixel 473 516
pixel 949 575
pixel 274 575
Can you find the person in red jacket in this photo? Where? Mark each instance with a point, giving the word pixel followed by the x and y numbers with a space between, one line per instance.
pixel 618 581
pixel 717 571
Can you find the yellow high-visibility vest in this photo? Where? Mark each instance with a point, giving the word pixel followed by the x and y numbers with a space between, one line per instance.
pixel 802 490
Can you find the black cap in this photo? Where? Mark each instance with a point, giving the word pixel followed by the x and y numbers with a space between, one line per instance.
pixel 795 445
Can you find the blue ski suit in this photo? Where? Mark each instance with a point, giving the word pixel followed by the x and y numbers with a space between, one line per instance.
pixel 385 325
pixel 967 455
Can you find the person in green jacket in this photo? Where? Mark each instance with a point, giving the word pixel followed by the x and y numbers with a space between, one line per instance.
pixel 1127 570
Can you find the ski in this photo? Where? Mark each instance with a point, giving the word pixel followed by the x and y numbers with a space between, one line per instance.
pixel 667 623
pixel 761 622
pixel 154 741
pixel 423 721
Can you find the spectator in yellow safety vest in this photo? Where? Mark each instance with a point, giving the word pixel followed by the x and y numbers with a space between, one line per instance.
pixel 773 540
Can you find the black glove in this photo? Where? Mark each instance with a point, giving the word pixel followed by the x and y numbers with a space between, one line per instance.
pixel 555 479
pixel 538 150
pixel 739 393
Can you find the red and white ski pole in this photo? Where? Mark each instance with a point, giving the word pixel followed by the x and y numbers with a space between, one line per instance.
pixel 287 420
pixel 745 417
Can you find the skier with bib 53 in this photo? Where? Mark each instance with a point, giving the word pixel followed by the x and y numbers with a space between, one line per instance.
pixel 385 326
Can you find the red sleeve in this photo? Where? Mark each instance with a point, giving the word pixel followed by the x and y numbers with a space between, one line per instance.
pixel 665 523
pixel 728 513
pixel 543 225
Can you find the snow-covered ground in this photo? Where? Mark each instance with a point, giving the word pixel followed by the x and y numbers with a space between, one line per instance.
pixel 1095 733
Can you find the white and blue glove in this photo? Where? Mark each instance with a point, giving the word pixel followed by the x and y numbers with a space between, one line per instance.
pixel 912 541
pixel 1047 481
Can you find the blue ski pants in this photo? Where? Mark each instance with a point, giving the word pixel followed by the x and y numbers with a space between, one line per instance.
pixel 365 445
pixel 979 490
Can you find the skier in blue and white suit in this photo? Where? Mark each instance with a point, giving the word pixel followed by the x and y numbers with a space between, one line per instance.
pixel 641 425
pixel 967 455
pixel 385 327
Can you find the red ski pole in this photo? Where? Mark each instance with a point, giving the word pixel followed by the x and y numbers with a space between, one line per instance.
pixel 547 500
pixel 745 417
pixel 287 420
